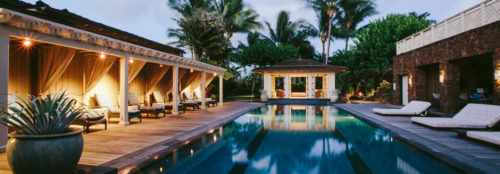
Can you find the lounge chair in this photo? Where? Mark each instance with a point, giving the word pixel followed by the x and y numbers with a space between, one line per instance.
pixel 104 100
pixel 472 116
pixel 208 101
pixel 91 118
pixel 159 101
pixel 411 109
pixel 490 137
pixel 189 103
pixel 133 100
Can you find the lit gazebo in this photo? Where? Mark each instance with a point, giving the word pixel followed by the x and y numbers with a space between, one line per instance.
pixel 286 79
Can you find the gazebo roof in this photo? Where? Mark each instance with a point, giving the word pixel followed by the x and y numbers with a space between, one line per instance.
pixel 301 66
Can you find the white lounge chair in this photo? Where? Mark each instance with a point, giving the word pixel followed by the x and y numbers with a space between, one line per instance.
pixel 133 100
pixel 472 116
pixel 411 109
pixel 208 101
pixel 490 137
pixel 104 100
pixel 160 102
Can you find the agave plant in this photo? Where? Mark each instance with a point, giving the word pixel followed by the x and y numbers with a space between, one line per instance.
pixel 52 114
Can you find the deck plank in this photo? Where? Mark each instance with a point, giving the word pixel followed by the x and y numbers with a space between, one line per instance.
pixel 115 146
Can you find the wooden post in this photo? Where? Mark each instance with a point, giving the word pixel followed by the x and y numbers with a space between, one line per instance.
pixel 175 91
pixel 123 98
pixel 4 87
pixel 203 91
pixel 221 94
pixel 310 86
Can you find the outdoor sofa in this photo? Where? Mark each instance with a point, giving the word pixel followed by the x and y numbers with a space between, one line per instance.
pixel 472 116
pixel 411 109
pixel 104 100
pixel 133 100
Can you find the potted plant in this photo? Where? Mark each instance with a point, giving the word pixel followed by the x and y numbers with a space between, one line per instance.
pixel 43 141
pixel 334 95
pixel 263 95
pixel 273 93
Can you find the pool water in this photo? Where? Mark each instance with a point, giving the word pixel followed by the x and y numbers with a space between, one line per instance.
pixel 297 139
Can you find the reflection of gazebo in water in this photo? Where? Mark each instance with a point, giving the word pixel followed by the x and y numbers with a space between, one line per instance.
pixel 303 78
pixel 299 117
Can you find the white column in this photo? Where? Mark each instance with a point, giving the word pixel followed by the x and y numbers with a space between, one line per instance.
pixel 221 94
pixel 310 86
pixel 175 90
pixel 267 84
pixel 287 86
pixel 330 84
pixel 202 87
pixel 4 79
pixel 123 98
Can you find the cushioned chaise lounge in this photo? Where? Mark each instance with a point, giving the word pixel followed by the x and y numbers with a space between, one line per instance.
pixel 159 101
pixel 208 101
pixel 472 116
pixel 411 109
pixel 133 100
pixel 490 137
pixel 105 101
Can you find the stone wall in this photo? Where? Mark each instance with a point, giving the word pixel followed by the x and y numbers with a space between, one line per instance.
pixel 480 41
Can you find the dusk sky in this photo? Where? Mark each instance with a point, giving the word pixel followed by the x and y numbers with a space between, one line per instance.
pixel 151 18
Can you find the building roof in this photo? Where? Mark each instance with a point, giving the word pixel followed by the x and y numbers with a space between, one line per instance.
pixel 302 66
pixel 44 11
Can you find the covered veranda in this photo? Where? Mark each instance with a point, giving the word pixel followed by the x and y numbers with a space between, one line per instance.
pixel 303 78
pixel 45 50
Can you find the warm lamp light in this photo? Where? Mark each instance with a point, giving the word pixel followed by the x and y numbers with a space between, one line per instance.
pixel 215 74
pixel 131 60
pixel 410 80
pixel 441 76
pixel 497 74
pixel 27 42
pixel 161 66
pixel 102 55
pixel 191 70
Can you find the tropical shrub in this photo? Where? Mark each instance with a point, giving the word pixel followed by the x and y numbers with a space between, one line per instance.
pixel 52 114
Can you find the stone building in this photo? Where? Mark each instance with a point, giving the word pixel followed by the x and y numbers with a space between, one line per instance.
pixel 452 63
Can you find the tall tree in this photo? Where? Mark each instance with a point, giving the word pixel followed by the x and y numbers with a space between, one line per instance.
pixel 350 14
pixel 328 7
pixel 235 18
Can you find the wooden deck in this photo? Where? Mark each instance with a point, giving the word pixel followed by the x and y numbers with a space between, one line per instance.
pixel 465 154
pixel 130 147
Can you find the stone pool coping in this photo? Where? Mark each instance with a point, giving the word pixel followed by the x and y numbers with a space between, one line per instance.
pixel 417 136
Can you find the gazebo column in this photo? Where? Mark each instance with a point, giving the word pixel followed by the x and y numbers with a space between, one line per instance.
pixel 287 86
pixel 123 98
pixel 221 94
pixel 310 86
pixel 175 90
pixel 202 88
pixel 4 87
pixel 330 84
pixel 267 84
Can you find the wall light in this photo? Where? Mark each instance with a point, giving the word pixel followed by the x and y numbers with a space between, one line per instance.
pixel 27 42
pixel 441 76
pixel 497 74
pixel 394 86
pixel 410 80
pixel 102 55
pixel 215 74
pixel 161 65
pixel 131 60
pixel 191 70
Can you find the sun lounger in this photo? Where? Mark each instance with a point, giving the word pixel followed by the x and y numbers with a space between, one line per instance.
pixel 189 102
pixel 105 101
pixel 134 101
pixel 159 101
pixel 208 101
pixel 490 137
pixel 472 116
pixel 411 109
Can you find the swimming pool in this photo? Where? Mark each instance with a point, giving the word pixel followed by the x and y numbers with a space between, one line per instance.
pixel 297 139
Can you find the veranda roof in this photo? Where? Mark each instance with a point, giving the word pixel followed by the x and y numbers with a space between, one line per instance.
pixel 301 66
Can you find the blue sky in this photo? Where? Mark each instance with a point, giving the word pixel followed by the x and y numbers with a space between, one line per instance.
pixel 151 18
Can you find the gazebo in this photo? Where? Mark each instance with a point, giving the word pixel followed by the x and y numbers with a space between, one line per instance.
pixel 287 79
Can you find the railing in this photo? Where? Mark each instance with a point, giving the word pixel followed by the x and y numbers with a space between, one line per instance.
pixel 479 15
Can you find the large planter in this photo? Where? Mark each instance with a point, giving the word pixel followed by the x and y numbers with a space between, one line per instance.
pixel 334 98
pixel 264 98
pixel 56 153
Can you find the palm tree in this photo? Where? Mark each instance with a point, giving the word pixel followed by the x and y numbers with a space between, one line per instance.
pixel 353 12
pixel 293 33
pixel 329 7
pixel 323 19
pixel 235 18
pixel 190 7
